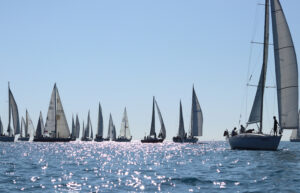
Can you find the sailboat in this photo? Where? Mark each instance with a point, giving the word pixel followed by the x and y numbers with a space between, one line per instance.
pixel 77 127
pixel 40 128
pixel 88 130
pixel 56 128
pixel 295 136
pixel 111 134
pixel 151 138
pixel 73 135
pixel 125 135
pixel 99 135
pixel 28 128
pixel 287 85
pixel 196 123
pixel 14 114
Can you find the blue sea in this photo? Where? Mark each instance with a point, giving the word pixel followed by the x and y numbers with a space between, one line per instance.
pixel 136 167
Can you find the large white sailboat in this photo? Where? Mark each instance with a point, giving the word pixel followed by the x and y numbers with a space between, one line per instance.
pixel 56 127
pixel 286 81
pixel 14 115
pixel 196 123
pixel 125 135
pixel 99 135
pixel 152 138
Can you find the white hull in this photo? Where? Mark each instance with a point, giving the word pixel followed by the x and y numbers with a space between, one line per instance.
pixel 253 141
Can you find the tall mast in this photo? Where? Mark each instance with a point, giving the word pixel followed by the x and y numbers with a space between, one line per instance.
pixel 265 61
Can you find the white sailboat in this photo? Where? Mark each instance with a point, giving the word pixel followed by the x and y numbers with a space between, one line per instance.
pixel 196 123
pixel 125 135
pixel 287 85
pixel 111 133
pixel 77 126
pixel 14 115
pixel 40 128
pixel 88 130
pixel 295 136
pixel 152 138
pixel 56 128
pixel 73 134
pixel 99 135
pixel 28 128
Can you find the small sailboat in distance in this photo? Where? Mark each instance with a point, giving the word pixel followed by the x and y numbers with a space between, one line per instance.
pixel 111 134
pixel 162 134
pixel 73 134
pixel 125 135
pixel 40 128
pixel 99 135
pixel 28 128
pixel 14 115
pixel 286 81
pixel 88 130
pixel 295 136
pixel 56 128
pixel 77 126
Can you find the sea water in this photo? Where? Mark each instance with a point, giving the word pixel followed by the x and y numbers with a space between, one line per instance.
pixel 136 167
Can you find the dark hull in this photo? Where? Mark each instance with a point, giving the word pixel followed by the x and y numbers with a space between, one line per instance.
pixel 7 139
pixel 252 141
pixel 86 139
pixel 295 140
pixel 152 140
pixel 73 139
pixel 99 139
pixel 23 139
pixel 123 140
pixel 185 140
pixel 50 139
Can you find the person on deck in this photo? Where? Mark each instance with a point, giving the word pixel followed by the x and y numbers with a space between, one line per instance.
pixel 275 126
pixel 233 133
pixel 243 129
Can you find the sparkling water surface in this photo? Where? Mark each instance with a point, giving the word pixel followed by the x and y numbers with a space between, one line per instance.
pixel 136 167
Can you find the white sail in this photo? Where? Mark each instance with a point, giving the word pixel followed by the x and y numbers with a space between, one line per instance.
pixel 29 125
pixel 111 129
pixel 77 125
pixel 50 120
pixel 100 122
pixel 40 127
pixel 181 131
pixel 162 132
pixel 14 112
pixel 23 128
pixel 1 127
pixel 62 130
pixel 286 69
pixel 125 131
pixel 196 116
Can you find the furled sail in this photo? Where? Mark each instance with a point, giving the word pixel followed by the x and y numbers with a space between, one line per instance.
pixel 125 132
pixel 73 135
pixel 14 112
pixel 286 69
pixel 40 127
pixel 100 122
pixel 257 108
pixel 77 127
pixel 181 131
pixel 152 130
pixel 56 122
pixel 196 116
pixel 162 132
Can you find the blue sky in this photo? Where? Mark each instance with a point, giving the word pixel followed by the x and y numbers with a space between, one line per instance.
pixel 121 53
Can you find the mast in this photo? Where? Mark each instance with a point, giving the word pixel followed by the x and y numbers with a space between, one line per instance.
pixel 265 61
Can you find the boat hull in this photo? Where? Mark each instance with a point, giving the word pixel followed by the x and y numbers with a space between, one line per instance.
pixel 23 139
pixel 73 139
pixel 50 139
pixel 185 140
pixel 253 141
pixel 295 140
pixel 152 140
pixel 86 139
pixel 99 139
pixel 7 139
pixel 123 140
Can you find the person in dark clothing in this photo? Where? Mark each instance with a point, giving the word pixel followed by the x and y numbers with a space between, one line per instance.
pixel 233 133
pixel 243 129
pixel 275 126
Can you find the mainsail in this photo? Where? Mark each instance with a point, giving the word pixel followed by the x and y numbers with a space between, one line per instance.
pixel 1 127
pixel 152 130
pixel 124 131
pixel 286 69
pixel 13 111
pixel 100 122
pixel 181 131
pixel 77 127
pixel 23 132
pixel 29 128
pixel 111 129
pixel 56 123
pixel 73 135
pixel 162 132
pixel 88 126
pixel 196 116
pixel 40 127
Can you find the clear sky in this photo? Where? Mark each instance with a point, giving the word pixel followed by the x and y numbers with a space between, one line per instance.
pixel 121 53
